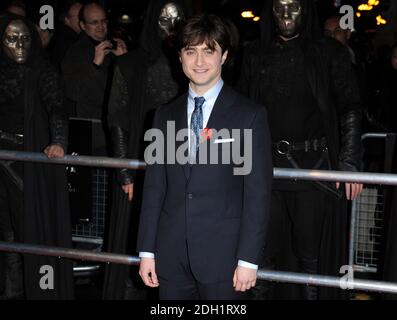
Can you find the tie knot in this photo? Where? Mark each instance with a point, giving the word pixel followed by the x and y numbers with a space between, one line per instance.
pixel 198 102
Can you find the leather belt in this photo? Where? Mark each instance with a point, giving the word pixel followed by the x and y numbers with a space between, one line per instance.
pixel 13 137
pixel 285 147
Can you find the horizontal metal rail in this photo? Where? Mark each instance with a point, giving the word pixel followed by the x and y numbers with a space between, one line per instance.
pixel 279 173
pixel 267 275
pixel 75 160
pixel 336 176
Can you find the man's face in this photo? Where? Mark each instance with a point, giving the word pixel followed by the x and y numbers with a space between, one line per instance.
pixel 394 58
pixel 288 15
pixel 170 15
pixel 17 41
pixel 333 29
pixel 202 65
pixel 72 18
pixel 96 23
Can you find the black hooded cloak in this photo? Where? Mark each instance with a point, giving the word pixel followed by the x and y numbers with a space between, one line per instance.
pixel 143 80
pixel 334 88
pixel 44 218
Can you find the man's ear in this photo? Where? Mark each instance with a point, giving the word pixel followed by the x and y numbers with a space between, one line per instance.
pixel 224 56
pixel 82 25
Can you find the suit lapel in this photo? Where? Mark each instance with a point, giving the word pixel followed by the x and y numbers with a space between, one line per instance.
pixel 221 108
pixel 217 120
pixel 181 123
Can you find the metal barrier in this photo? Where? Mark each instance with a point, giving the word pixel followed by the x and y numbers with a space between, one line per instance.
pixel 367 214
pixel 278 276
pixel 312 175
pixel 279 173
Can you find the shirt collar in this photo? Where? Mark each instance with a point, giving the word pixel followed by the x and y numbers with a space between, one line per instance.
pixel 211 94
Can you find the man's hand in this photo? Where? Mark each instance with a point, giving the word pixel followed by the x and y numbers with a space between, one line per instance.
pixel 244 278
pixel 148 273
pixel 129 189
pixel 101 50
pixel 121 47
pixel 353 190
pixel 54 151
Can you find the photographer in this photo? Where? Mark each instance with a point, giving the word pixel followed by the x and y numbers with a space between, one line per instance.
pixel 86 65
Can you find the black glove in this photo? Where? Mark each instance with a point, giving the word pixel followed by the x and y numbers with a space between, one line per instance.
pixel 120 146
pixel 351 152
pixel 59 127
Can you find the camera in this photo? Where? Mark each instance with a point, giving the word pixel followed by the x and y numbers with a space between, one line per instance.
pixel 114 44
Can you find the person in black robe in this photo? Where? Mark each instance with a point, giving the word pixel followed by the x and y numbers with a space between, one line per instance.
pixel 143 80
pixel 309 89
pixel 33 197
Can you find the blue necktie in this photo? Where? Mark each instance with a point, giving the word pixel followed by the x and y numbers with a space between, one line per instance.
pixel 196 122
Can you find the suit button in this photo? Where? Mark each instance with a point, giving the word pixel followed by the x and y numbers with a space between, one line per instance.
pixel 190 196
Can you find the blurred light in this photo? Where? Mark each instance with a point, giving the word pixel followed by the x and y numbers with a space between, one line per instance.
pixel 365 7
pixel 247 14
pixel 125 18
pixel 358 14
pixel 373 2
pixel 380 20
pixel 256 19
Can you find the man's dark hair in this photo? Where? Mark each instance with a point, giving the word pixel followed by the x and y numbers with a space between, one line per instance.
pixel 69 4
pixel 84 7
pixel 209 29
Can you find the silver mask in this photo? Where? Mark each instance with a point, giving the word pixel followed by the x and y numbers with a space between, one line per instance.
pixel 288 16
pixel 17 41
pixel 170 15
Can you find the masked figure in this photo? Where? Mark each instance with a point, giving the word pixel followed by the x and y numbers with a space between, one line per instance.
pixel 33 197
pixel 144 80
pixel 309 88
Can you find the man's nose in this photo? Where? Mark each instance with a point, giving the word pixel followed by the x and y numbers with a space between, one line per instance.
pixel 199 59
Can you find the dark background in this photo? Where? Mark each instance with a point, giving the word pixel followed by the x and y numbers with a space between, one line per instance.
pixel 232 9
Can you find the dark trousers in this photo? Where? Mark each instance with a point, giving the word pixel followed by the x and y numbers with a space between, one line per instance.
pixel 295 229
pixel 184 286
pixel 190 289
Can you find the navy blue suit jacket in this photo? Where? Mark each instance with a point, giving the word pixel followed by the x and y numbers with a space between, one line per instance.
pixel 203 213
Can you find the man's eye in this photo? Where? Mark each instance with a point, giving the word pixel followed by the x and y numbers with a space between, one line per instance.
pixel 295 7
pixel 189 52
pixel 209 51
pixel 12 39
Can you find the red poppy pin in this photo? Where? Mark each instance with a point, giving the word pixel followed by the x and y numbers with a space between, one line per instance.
pixel 206 134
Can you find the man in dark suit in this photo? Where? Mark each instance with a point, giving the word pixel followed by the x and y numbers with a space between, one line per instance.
pixel 202 225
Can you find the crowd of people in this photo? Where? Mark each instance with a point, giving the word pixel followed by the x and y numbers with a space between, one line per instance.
pixel 303 91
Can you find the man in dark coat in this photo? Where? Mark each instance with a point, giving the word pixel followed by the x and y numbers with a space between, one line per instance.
pixel 309 88
pixel 34 205
pixel 144 79
pixel 67 33
pixel 86 66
